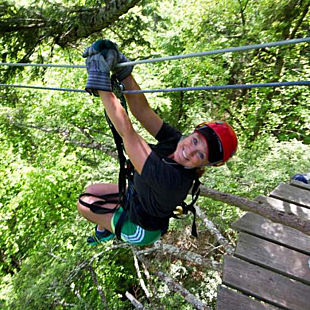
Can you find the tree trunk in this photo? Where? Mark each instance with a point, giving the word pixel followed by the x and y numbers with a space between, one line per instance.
pixel 292 12
pixel 89 23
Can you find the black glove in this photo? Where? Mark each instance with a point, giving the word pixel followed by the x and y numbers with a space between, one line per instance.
pixel 103 47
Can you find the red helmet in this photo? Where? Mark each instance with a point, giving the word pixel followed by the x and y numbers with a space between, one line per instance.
pixel 221 140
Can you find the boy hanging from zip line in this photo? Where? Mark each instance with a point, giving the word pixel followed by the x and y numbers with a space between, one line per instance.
pixel 163 174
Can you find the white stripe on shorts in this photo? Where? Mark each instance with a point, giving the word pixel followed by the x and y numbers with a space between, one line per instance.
pixel 137 237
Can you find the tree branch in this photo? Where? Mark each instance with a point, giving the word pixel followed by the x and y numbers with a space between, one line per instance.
pixel 63 304
pixel 182 254
pixel 153 296
pixel 176 287
pixel 134 301
pixel 214 231
pixel 86 263
pixel 300 20
pixel 66 135
pixel 191 257
pixel 142 283
pixel 95 280
pixel 260 208
pixel 65 25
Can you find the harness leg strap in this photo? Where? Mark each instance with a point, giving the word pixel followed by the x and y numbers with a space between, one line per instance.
pixel 97 206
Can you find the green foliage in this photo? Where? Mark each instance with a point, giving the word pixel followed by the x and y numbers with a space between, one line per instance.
pixel 58 272
pixel 43 169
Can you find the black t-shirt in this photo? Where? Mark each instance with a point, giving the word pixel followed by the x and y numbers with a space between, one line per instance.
pixel 162 185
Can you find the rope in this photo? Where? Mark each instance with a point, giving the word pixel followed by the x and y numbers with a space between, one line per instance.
pixel 25 64
pixel 220 51
pixel 166 90
pixel 45 88
pixel 200 54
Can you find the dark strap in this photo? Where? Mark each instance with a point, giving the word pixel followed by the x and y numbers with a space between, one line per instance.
pixel 125 205
pixel 190 207
pixel 117 89
pixel 119 224
pixel 98 206
pixel 104 196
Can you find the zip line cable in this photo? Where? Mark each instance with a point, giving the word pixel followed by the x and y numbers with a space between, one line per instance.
pixel 218 87
pixel 44 88
pixel 162 90
pixel 219 51
pixel 167 90
pixel 200 54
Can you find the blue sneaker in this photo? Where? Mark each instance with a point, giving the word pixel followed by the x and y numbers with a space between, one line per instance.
pixel 100 236
pixel 301 178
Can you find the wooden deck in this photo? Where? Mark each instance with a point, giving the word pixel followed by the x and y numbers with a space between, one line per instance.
pixel 270 268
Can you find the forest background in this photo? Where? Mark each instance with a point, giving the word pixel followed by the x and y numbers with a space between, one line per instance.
pixel 55 143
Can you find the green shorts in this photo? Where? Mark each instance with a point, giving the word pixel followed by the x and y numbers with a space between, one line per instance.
pixel 132 233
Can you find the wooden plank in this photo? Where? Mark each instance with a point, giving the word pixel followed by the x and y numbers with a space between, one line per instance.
pixel 275 257
pixel 265 284
pixel 300 184
pixel 292 194
pixel 259 226
pixel 285 206
pixel 228 299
